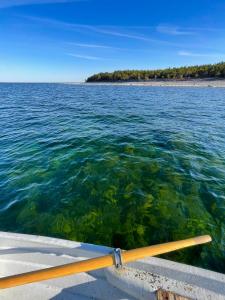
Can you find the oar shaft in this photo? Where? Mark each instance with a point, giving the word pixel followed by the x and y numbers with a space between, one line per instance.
pixel 58 271
pixel 98 263
pixel 154 250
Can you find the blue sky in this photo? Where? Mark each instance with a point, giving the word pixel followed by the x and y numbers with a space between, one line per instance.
pixel 68 40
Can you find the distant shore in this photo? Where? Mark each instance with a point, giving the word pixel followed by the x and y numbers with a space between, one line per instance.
pixel 164 83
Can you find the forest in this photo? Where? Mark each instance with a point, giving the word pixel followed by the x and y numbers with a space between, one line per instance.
pixel 180 73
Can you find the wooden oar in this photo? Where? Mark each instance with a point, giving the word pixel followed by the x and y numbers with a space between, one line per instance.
pixel 99 262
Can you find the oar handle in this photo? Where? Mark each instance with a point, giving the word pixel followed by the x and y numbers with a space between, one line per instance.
pixel 99 262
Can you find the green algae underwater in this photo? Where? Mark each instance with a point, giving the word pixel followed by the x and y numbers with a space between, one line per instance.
pixel 117 166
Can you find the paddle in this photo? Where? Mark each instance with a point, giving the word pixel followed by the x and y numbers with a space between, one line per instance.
pixel 99 262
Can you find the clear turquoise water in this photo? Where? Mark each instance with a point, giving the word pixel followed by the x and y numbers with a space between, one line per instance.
pixel 115 165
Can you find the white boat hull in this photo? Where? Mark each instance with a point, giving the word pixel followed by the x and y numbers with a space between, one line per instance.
pixel 140 280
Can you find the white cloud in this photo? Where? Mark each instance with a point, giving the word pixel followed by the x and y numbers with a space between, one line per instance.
pixel 186 53
pixel 11 3
pixel 84 56
pixel 192 54
pixel 173 30
pixel 100 29
pixel 122 34
pixel 91 45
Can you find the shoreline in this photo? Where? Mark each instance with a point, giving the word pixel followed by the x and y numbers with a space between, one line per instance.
pixel 215 83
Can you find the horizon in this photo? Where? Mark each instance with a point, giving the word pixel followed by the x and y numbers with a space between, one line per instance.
pixel 66 41
pixel 84 81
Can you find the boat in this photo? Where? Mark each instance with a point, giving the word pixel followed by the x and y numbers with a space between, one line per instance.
pixel 148 278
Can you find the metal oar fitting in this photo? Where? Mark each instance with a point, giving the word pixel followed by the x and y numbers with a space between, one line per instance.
pixel 118 257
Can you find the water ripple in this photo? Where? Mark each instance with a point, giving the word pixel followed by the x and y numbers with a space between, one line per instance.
pixel 122 166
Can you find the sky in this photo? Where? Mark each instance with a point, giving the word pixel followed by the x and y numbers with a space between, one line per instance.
pixel 69 40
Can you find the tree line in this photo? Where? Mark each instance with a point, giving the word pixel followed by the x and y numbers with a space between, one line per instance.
pixel 180 73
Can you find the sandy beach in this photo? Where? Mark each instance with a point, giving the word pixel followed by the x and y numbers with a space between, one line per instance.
pixel 216 83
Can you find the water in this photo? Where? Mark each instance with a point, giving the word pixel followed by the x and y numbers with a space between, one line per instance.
pixel 115 165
